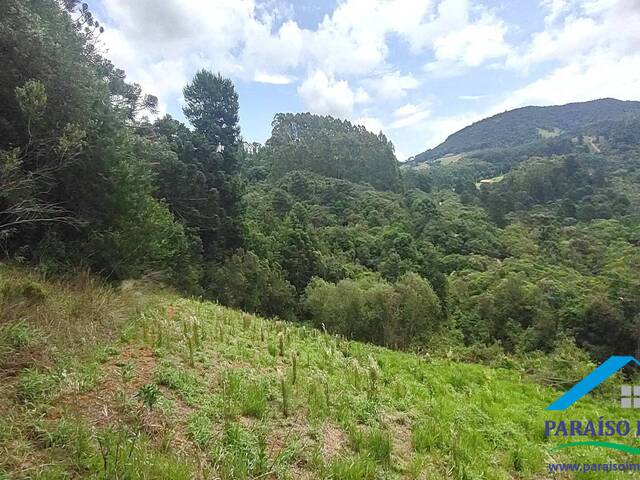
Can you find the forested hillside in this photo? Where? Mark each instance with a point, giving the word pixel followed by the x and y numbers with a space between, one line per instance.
pixel 516 248
pixel 529 124
pixel 522 254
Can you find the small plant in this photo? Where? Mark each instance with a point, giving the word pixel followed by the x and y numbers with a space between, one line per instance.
pixel 359 468
pixel 326 393
pixel 189 341
pixel 246 321
pixel 285 397
pixel 149 395
pixel 281 344
pixel 117 449
pixel 159 336
pixel 241 454
pixel 14 336
pixel 126 370
pixel 294 362
pixel 34 385
pixel 374 376
pixel 254 400
pixel 196 332
pixel 426 436
pixel 185 382
pixel 25 291
pixel 145 330
pixel 375 443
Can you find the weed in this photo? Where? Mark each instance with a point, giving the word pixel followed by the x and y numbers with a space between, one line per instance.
pixel 281 344
pixel 34 385
pixel 294 366
pixel 254 400
pixel 181 381
pixel 373 442
pixel 358 468
pixel 284 389
pixel 149 395
pixel 190 346
pixel 200 429
pixel 23 291
pixel 126 371
pixel 246 321
pixel 241 454
pixel 14 336
pixel 426 436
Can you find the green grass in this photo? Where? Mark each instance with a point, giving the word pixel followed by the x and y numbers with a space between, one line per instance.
pixel 253 398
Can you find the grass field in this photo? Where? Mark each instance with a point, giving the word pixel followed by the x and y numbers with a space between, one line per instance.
pixel 138 383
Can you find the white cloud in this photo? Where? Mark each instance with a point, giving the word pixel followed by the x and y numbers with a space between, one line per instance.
pixel 609 26
pixel 343 66
pixel 471 97
pixel 597 76
pixel 409 115
pixel 470 46
pixel 272 78
pixel 372 124
pixel 393 86
pixel 324 95
pixel 406 110
pixel 362 96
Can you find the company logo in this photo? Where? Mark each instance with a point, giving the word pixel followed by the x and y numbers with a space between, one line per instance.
pixel 595 378
pixel 629 398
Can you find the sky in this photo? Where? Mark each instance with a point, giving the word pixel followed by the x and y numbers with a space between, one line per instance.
pixel 418 70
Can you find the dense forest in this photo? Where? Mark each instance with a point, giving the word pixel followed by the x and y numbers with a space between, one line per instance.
pixel 519 247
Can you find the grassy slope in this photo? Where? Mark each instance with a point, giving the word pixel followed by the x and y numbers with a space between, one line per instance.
pixel 135 384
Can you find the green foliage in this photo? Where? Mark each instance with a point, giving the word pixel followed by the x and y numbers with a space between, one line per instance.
pixel 149 394
pixel 332 148
pixel 32 99
pixel 255 285
pixel 400 315
pixel 211 105
pixel 35 385
pixel 13 337
pixel 241 454
pixel 197 183
pixel 374 443
pixel 523 125
pixel 142 235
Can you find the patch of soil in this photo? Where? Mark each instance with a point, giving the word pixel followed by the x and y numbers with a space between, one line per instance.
pixel 333 440
pixel 98 405
pixel 400 430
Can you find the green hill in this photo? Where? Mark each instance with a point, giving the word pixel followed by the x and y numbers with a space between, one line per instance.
pixel 137 382
pixel 530 124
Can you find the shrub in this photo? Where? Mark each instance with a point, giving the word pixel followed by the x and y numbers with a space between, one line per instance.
pixel 252 284
pixel 396 315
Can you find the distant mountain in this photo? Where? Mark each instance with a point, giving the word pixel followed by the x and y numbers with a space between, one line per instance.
pixel 529 124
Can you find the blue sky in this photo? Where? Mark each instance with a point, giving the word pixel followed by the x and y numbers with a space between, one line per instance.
pixel 416 69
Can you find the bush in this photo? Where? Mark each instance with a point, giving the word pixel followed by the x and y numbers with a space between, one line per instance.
pixel 397 315
pixel 26 290
pixel 254 285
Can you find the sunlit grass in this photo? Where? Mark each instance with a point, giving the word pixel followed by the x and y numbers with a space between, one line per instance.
pixel 246 397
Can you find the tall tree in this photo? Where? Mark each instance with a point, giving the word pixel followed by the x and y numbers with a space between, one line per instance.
pixel 211 154
pixel 211 105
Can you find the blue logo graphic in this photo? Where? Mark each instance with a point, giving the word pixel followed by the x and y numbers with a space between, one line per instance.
pixel 591 381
